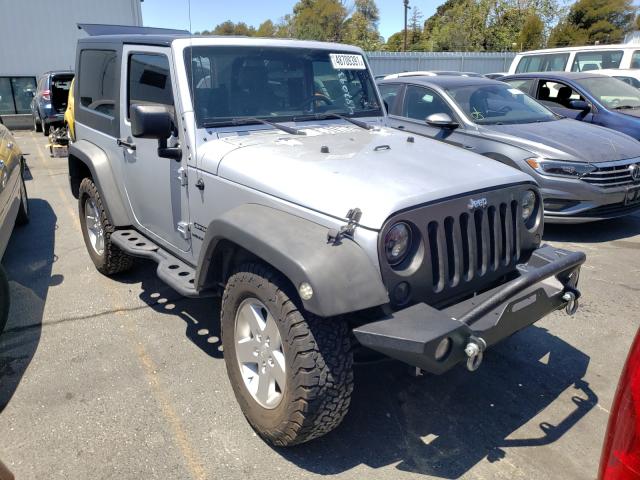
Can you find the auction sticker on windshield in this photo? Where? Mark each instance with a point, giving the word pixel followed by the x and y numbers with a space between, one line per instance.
pixel 343 61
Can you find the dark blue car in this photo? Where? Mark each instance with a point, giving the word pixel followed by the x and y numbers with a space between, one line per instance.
pixel 589 97
pixel 50 100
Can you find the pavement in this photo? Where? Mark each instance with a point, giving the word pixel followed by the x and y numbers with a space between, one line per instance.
pixel 105 378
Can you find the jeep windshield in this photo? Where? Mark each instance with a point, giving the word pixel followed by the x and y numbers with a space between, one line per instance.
pixel 282 84
pixel 498 104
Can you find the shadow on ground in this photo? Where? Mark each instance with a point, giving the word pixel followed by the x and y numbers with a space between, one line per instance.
pixel 595 232
pixel 28 261
pixel 435 425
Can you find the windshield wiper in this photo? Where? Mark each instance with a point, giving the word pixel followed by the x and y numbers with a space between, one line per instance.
pixel 625 107
pixel 328 115
pixel 252 121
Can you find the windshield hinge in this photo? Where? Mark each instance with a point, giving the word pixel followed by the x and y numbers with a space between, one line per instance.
pixel 334 236
pixel 185 230
pixel 182 176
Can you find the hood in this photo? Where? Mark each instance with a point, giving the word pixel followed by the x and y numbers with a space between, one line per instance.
pixel 635 113
pixel 566 139
pixel 335 168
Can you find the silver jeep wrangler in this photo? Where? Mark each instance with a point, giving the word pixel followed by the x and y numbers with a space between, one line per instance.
pixel 262 170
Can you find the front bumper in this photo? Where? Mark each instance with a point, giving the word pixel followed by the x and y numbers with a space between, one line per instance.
pixel 414 334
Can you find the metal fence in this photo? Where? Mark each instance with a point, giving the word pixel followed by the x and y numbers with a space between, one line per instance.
pixel 384 63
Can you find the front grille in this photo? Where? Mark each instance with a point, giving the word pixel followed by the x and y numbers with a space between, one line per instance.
pixel 461 250
pixel 613 175
pixel 467 246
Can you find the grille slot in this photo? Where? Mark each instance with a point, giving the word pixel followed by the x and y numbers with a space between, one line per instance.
pixel 610 176
pixel 469 246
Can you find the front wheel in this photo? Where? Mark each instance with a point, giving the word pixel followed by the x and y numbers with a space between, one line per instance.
pixel 291 371
pixel 97 230
pixel 37 126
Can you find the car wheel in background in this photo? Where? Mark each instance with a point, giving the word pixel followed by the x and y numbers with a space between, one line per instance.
pixel 37 126
pixel 23 211
pixel 4 299
pixel 97 230
pixel 46 128
pixel 291 372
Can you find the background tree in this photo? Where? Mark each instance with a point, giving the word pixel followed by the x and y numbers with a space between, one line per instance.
pixel 361 28
pixel 266 29
pixel 395 42
pixel 588 21
pixel 532 34
pixel 230 28
pixel 318 19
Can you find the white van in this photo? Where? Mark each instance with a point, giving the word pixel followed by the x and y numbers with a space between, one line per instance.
pixel 577 59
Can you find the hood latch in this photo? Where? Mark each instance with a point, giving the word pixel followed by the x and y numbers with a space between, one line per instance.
pixel 334 236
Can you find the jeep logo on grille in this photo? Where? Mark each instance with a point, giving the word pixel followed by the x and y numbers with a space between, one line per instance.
pixel 634 170
pixel 479 203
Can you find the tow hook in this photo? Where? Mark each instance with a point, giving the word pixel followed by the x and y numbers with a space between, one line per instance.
pixel 572 302
pixel 474 350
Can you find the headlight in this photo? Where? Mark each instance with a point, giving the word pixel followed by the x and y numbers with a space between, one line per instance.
pixel 560 169
pixel 397 242
pixel 528 203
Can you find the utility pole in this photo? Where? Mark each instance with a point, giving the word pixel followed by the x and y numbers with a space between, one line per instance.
pixel 406 8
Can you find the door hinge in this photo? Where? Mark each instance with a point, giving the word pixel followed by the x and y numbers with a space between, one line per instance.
pixel 182 176
pixel 185 230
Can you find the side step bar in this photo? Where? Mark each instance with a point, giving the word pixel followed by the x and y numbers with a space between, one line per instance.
pixel 175 273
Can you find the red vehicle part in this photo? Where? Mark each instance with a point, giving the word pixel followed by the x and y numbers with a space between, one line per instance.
pixel 621 453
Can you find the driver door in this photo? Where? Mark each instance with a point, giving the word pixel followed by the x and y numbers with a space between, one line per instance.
pixel 156 187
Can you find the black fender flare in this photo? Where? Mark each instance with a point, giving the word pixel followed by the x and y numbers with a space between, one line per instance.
pixel 341 275
pixel 97 161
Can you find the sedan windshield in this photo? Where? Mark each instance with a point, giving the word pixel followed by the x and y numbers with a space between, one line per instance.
pixel 279 84
pixel 611 92
pixel 498 104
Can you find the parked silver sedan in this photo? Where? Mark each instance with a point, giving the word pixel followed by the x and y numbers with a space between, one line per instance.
pixel 585 172
pixel 14 205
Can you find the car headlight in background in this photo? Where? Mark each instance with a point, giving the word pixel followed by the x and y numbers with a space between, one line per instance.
pixel 397 243
pixel 560 169
pixel 528 202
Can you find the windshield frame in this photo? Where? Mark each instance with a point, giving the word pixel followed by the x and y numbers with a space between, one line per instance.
pixel 553 116
pixel 606 78
pixel 297 116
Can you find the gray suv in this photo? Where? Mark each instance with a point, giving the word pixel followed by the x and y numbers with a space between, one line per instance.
pixel 261 170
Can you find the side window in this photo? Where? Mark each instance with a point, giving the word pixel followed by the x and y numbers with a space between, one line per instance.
pixel 548 62
pixel 420 102
pixel 556 94
pixel 598 60
pixel 390 96
pixel 523 85
pixel 630 80
pixel 149 81
pixel 635 59
pixel 97 88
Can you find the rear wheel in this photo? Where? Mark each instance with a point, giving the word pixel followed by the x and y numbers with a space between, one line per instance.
pixel 97 230
pixel 291 371
pixel 46 128
pixel 37 126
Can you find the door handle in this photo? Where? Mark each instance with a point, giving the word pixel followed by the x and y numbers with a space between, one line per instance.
pixel 401 127
pixel 126 143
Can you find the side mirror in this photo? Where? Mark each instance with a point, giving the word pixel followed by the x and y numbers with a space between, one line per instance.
pixel 579 105
pixel 441 120
pixel 154 121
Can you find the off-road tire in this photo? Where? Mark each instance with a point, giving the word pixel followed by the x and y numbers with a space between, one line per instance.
pixel 46 128
pixel 4 299
pixel 318 359
pixel 37 126
pixel 113 260
pixel 23 210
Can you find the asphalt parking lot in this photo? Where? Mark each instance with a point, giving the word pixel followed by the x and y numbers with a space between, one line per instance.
pixel 121 378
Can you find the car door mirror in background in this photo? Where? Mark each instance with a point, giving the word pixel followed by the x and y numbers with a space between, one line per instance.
pixel 579 105
pixel 441 120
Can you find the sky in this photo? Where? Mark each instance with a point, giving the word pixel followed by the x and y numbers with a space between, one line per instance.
pixel 206 14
